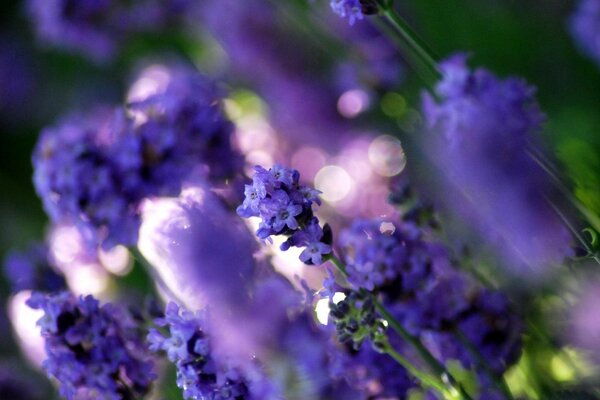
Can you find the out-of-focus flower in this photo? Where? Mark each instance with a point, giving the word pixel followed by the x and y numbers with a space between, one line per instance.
pixel 200 250
pixel 32 270
pixel 78 181
pixel 481 130
pixel 285 208
pixel 203 373
pixel 93 351
pixel 354 9
pixel 584 25
pixel 98 28
pixel 179 125
pixel 95 169
pixel 375 257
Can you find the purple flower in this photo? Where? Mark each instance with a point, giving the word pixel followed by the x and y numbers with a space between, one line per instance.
pixel 202 251
pixel 92 348
pixel 347 8
pixel 94 170
pixel 178 127
pixel 78 181
pixel 201 372
pixel 285 208
pixel 584 25
pixel 482 128
pixel 375 257
pixel 310 238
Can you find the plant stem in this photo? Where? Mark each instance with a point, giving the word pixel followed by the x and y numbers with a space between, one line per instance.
pixel 498 380
pixel 438 369
pixel 425 379
pixel 421 55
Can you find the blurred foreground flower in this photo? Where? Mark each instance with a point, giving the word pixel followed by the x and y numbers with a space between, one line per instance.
pixel 481 130
pixel 94 170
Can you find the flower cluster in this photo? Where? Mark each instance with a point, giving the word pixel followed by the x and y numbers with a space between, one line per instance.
pixel 585 27
pixel 484 138
pixel 285 208
pixel 354 9
pixel 356 320
pixel 377 254
pixel 95 169
pixel 93 351
pixel 96 28
pixel 200 374
pixel 31 270
pixel 412 275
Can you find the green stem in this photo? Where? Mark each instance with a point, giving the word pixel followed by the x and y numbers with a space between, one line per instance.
pixel 437 368
pixel 425 379
pixel 499 381
pixel 421 55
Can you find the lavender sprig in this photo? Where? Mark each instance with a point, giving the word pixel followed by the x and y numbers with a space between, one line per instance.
pixel 93 351
pixel 285 208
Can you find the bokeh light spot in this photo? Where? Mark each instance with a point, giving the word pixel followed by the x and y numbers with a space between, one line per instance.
pixel 353 102
pixel 387 156
pixel 334 183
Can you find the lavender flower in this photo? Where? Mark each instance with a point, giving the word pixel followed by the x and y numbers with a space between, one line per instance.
pixel 347 8
pixel 584 25
pixel 285 208
pixel 94 170
pixel 483 127
pixel 78 181
pixel 375 257
pixel 190 242
pixel 411 275
pixel 31 270
pixel 93 351
pixel 201 373
pixel 178 126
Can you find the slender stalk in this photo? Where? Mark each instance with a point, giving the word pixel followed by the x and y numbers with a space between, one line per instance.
pixel 420 53
pixel 425 379
pixel 499 381
pixel 438 368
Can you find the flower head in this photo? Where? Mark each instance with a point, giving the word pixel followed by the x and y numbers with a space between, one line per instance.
pixel 285 208
pixel 201 373
pixel 347 8
pixel 482 129
pixel 93 350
